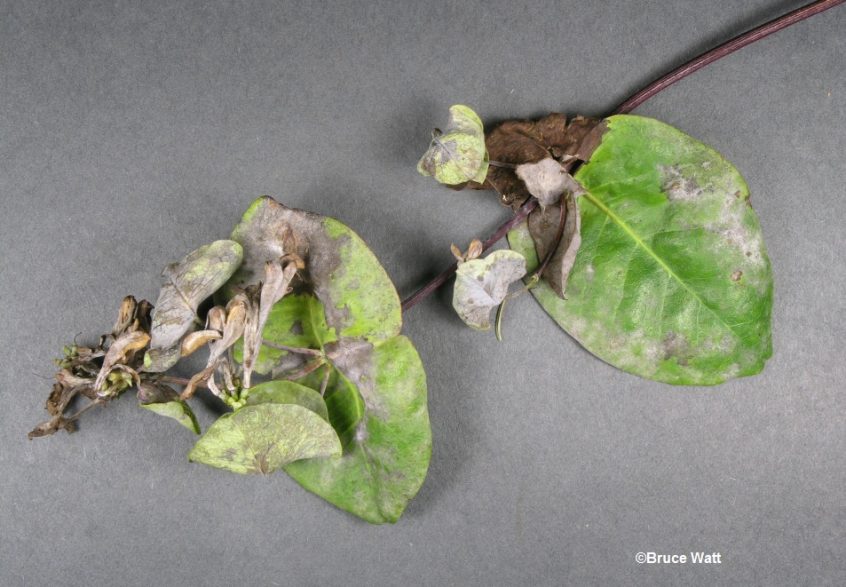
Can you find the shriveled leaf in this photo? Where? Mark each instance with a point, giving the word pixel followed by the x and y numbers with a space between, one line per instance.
pixel 548 180
pixel 51 426
pixel 482 284
pixel 150 392
pixel 357 295
pixel 196 340
pixel 546 230
pixel 188 282
pixel 672 281
pixel 457 155
pixel 277 277
pixel 288 392
pixel 296 321
pixel 125 345
pixel 517 142
pixel 262 438
pixel 386 458
pixel 178 410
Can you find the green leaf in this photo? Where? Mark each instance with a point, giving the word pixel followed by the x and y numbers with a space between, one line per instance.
pixel 288 392
pixel 457 155
pixel 262 438
pixel 188 282
pixel 672 280
pixel 178 410
pixel 385 461
pixel 482 284
pixel 346 309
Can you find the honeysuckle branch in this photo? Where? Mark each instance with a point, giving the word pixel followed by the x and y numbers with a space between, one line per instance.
pixel 723 50
pixel 630 104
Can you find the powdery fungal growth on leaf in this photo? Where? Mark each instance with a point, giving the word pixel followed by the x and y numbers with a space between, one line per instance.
pixel 457 155
pixel 263 438
pixel 337 333
pixel 548 180
pixel 188 282
pixel 672 280
pixel 482 284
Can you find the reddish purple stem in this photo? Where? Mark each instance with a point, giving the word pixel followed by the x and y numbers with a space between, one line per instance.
pixel 633 102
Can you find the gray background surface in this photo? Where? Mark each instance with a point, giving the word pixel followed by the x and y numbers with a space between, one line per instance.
pixel 133 132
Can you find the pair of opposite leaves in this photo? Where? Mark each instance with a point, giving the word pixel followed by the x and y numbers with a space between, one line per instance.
pixel 660 252
pixel 365 444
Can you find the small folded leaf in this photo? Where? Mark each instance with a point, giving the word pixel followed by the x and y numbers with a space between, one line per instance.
pixel 126 314
pixel 189 282
pixel 547 180
pixel 545 228
pixel 273 288
pixel 288 392
pixel 262 438
pixel 163 400
pixel 457 155
pixel 155 393
pixel 178 410
pixel 482 284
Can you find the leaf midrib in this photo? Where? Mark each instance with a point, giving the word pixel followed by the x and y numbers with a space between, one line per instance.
pixel 639 241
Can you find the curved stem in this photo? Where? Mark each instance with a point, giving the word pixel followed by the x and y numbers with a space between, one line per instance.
pixel 425 291
pixel 723 50
pixel 633 102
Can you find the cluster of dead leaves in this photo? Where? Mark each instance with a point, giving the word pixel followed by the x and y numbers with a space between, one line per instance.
pixel 102 372
pixel 535 158
pixel 517 142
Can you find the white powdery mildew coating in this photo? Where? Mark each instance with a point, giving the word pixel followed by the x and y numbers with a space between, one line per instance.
pixel 727 194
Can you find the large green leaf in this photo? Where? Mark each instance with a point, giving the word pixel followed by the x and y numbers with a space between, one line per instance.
pixel 347 309
pixel 672 281
pixel 262 438
pixel 385 461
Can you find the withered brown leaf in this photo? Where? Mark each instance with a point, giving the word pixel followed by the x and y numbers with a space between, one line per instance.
pixel 516 142
pixel 545 227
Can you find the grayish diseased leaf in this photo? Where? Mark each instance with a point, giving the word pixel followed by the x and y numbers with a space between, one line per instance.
pixel 385 460
pixel 544 227
pixel 358 297
pixel 188 282
pixel 262 438
pixel 547 180
pixel 482 284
